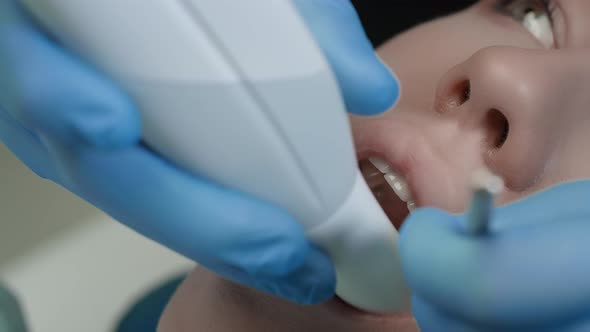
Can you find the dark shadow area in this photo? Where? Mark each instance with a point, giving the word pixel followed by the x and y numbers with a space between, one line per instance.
pixel 144 314
pixel 383 19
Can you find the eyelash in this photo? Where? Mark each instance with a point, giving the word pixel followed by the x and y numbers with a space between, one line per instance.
pixel 519 9
pixel 547 5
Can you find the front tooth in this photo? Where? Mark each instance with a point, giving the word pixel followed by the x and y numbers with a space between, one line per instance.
pixel 411 206
pixel 399 186
pixel 380 164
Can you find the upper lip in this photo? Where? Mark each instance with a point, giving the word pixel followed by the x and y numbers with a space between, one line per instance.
pixel 410 152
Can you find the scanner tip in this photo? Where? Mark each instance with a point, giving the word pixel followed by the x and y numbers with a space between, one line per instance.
pixel 484 179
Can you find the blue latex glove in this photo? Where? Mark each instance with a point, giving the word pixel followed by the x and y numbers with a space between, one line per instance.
pixel 69 124
pixel 531 272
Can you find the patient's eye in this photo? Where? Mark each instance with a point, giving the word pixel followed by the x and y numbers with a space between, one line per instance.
pixel 534 15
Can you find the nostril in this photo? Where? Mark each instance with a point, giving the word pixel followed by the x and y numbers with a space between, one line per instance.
pixel 497 127
pixel 454 96
pixel 459 93
pixel 464 91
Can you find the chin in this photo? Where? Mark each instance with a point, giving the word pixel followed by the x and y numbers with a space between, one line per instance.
pixel 208 302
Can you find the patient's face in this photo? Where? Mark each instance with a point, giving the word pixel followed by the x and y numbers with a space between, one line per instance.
pixel 497 85
pixel 481 89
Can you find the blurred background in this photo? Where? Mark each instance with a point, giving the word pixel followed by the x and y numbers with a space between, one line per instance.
pixel 72 267
pixel 75 269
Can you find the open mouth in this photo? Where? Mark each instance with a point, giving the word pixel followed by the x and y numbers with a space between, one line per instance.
pixel 389 188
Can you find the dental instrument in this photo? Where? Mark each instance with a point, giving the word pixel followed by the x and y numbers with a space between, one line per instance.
pixel 239 92
pixel 484 186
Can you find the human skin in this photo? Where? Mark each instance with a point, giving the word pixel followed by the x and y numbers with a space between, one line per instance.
pixel 436 136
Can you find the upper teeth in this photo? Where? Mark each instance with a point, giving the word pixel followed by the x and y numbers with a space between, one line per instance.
pixel 397 183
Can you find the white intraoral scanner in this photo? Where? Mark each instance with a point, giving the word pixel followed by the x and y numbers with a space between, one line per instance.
pixel 239 92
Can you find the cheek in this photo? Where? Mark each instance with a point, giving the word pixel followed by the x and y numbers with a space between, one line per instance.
pixel 575 165
pixel 419 58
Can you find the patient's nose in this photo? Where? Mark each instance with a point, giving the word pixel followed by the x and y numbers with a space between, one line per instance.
pixel 514 97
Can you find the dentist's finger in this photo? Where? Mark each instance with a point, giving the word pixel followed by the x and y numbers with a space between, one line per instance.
pixel 367 85
pixel 232 234
pixel 532 273
pixel 433 319
pixel 26 146
pixel 294 285
pixel 52 91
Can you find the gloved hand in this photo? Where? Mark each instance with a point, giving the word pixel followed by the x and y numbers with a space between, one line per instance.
pixel 531 272
pixel 69 124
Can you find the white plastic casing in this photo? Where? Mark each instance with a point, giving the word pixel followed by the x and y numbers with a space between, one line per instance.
pixel 238 91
